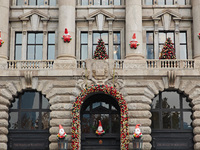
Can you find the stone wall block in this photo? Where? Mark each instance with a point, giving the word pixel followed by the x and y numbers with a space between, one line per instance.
pixel 197 146
pixel 4 101
pixel 3 130
pixel 3 108
pixel 138 99
pixel 190 87
pixel 11 87
pixel 64 122
pixel 196 122
pixel 3 115
pixel 18 86
pixel 61 106
pixel 196 130
pixel 46 88
pixel 53 146
pixel 196 101
pixel 139 114
pixel 143 122
pixel 34 83
pixel 146 146
pixel 138 106
pixel 3 146
pixel 62 99
pixel 152 87
pixel 196 107
pixel 196 114
pixel 160 85
pixel 3 123
pixel 196 138
pixel 55 130
pixel 58 91
pixel 3 138
pixel 64 84
pixel 139 91
pixel 149 93
pixel 5 93
pixel 194 93
pixel 53 137
pixel 41 85
pixel 184 85
pixel 61 114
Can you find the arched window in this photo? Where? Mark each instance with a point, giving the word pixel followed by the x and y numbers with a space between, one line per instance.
pixel 171 121
pixel 29 122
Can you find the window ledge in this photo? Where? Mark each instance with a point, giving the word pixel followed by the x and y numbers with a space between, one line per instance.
pixel 167 6
pixel 34 7
pixel 100 7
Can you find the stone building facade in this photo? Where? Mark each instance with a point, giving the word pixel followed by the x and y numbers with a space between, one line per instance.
pixel 34 59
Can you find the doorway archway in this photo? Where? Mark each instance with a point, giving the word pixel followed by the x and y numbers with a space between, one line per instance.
pixel 107 90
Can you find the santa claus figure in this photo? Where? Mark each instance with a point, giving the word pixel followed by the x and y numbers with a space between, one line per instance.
pixel 137 134
pixel 67 37
pixel 100 130
pixel 61 133
pixel 1 41
pixel 134 43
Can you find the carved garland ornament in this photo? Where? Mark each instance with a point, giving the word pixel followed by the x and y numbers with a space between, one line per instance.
pixel 76 114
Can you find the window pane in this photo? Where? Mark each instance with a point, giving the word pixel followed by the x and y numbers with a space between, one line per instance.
pixel 29 120
pixel 95 121
pixel 45 103
pixel 182 37
pixel 176 120
pixel 30 55
pixel 52 2
pixel 186 105
pixel 169 2
pixel 116 38
pixel 162 37
pixel 84 38
pixel 40 2
pixel 161 2
pixel 150 52
pixel 155 120
pixel 104 37
pixel 105 122
pixel 85 123
pixel 51 52
pixel 39 38
pixel 117 2
pixel 20 2
pixel 117 52
pixel 149 38
pixel 30 100
pixel 96 2
pixel 38 55
pixel 84 52
pixel 160 48
pixel 96 104
pixel 15 105
pixel 104 2
pixel 166 117
pixel 51 38
pixel 183 52
pixel 171 35
pixel 32 2
pixel 181 2
pixel 187 121
pixel 13 120
pixel 84 2
pixel 18 39
pixel 170 100
pixel 45 120
pixel 105 105
pixel 155 104
pixel 94 48
pixel 148 2
pixel 18 52
pixel 115 123
pixel 96 37
pixel 106 46
pixel 31 38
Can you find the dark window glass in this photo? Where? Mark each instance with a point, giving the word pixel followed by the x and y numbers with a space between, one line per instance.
pixel 171 110
pixel 183 45
pixel 117 45
pixel 84 46
pixel 51 46
pixel 30 111
pixel 18 46
pixel 34 46
pixel 150 45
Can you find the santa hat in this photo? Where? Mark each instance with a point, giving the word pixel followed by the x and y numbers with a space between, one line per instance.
pixel 137 126
pixel 66 31
pixel 100 123
pixel 134 37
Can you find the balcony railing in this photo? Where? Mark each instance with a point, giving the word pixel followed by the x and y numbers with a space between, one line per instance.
pixel 81 64
pixel 30 64
pixel 170 64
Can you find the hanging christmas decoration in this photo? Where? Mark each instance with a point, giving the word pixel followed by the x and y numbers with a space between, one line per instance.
pixel 100 52
pixel 199 36
pixel 100 130
pixel 66 37
pixel 61 134
pixel 168 51
pixel 134 43
pixel 1 41
pixel 76 114
pixel 137 134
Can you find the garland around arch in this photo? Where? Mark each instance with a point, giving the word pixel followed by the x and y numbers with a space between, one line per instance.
pixel 76 114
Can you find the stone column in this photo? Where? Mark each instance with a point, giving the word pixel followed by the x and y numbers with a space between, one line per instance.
pixel 4 27
pixel 196 27
pixel 66 51
pixel 134 25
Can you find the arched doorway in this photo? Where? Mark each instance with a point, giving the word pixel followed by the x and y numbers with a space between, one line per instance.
pixel 105 108
pixel 103 90
pixel 29 122
pixel 171 122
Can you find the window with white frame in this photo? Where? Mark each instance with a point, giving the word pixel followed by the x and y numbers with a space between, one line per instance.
pixel 163 37
pixel 36 2
pixel 117 45
pixel 183 45
pixel 148 2
pixel 164 2
pixel 150 45
pixel 34 47
pixel 100 2
pixel 84 45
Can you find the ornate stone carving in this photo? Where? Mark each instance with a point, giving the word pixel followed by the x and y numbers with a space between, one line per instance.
pixel 28 78
pixel 99 69
pixel 171 78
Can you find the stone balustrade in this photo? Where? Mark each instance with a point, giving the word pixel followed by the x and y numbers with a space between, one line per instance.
pixel 81 64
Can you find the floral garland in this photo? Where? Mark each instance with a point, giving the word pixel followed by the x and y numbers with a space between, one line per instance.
pixel 123 111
